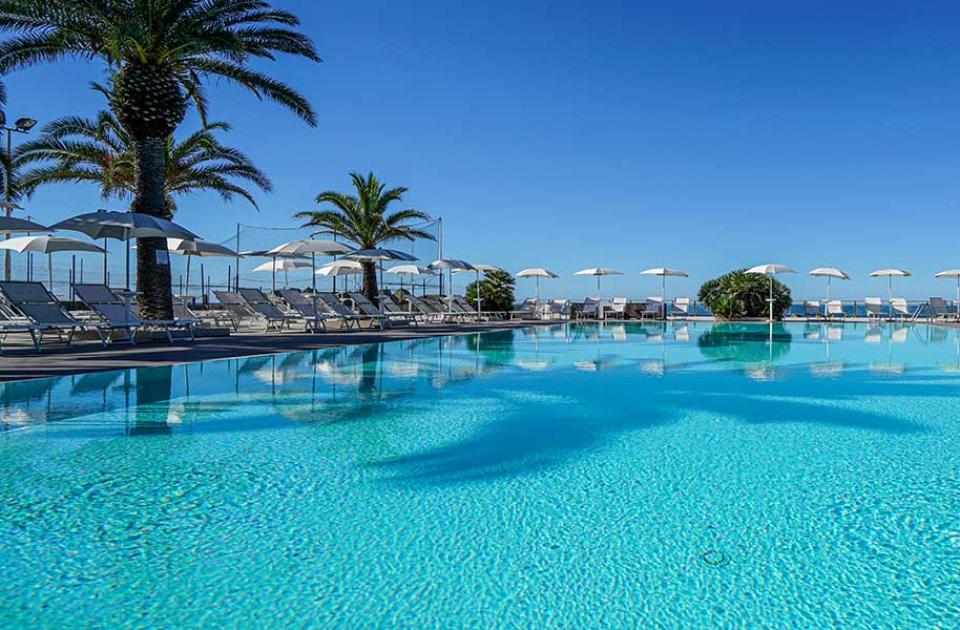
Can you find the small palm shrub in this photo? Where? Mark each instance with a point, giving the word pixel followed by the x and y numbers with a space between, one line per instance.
pixel 740 294
pixel 496 291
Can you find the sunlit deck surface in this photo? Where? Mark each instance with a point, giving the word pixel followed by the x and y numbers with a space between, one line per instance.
pixel 19 361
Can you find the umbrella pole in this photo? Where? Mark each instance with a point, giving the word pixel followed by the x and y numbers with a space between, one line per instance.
pixel 538 291
pixel 105 282
pixel 50 271
pixel 828 287
pixel 771 304
pixel 663 296
pixel 314 286
pixel 186 286
pixel 478 292
pixel 128 265
pixel 274 275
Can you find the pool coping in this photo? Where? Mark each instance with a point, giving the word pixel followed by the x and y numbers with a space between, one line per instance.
pixel 91 357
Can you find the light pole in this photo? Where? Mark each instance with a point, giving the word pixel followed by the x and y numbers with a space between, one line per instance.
pixel 22 125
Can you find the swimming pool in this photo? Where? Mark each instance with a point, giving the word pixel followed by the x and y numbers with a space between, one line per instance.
pixel 617 475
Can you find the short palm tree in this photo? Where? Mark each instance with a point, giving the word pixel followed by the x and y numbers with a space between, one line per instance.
pixel 366 221
pixel 100 151
pixel 161 53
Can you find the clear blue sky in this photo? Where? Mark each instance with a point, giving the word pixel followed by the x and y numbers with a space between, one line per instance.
pixel 699 135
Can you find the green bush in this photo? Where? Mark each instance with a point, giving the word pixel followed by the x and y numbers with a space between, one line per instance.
pixel 496 291
pixel 740 294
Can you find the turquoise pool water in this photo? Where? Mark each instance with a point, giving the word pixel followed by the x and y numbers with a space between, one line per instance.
pixel 589 476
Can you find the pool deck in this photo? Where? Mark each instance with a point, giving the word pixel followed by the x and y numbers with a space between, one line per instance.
pixel 82 357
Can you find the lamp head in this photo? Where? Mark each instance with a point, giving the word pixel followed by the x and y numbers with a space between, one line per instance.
pixel 25 124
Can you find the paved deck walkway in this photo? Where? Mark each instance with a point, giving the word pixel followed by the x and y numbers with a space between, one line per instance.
pixel 91 357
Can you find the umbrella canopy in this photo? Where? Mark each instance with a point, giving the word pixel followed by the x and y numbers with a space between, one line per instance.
pixel 453 264
pixel 186 247
pixel 536 272
pixel 377 254
pixel 48 245
pixel 312 247
pixel 770 270
pixel 890 274
pixel 13 225
pixel 411 270
pixel 283 264
pixel 663 272
pixel 829 273
pixel 307 247
pixel 123 226
pixel 340 268
pixel 598 272
pixel 265 253
pixel 952 274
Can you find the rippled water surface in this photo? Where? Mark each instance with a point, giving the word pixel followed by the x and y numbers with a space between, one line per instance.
pixel 617 475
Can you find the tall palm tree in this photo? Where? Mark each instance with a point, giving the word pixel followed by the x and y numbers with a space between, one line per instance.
pixel 161 53
pixel 100 151
pixel 365 219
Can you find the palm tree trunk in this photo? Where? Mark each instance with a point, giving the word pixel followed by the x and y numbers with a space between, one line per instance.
pixel 153 262
pixel 370 282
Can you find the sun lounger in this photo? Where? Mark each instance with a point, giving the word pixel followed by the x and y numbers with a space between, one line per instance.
pixel 811 309
pixel 591 308
pixel 528 309
pixel 557 309
pixel 899 309
pixel 442 308
pixel 44 312
pixel 652 308
pixel 834 310
pixel 333 305
pixel 937 308
pixel 236 306
pixel 183 312
pixel 618 308
pixel 680 308
pixel 874 307
pixel 118 314
pixel 384 317
pixel 466 307
pixel 266 310
pixel 313 314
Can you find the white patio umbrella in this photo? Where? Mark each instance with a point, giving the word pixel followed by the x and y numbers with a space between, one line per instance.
pixel 537 273
pixel 478 268
pixel 829 273
pixel 663 272
pixel 952 274
pixel 890 275
pixel 598 272
pixel 410 270
pixel 378 255
pixel 770 270
pixel 312 247
pixel 337 268
pixel 451 265
pixel 286 265
pixel 188 248
pixel 48 245
pixel 123 226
